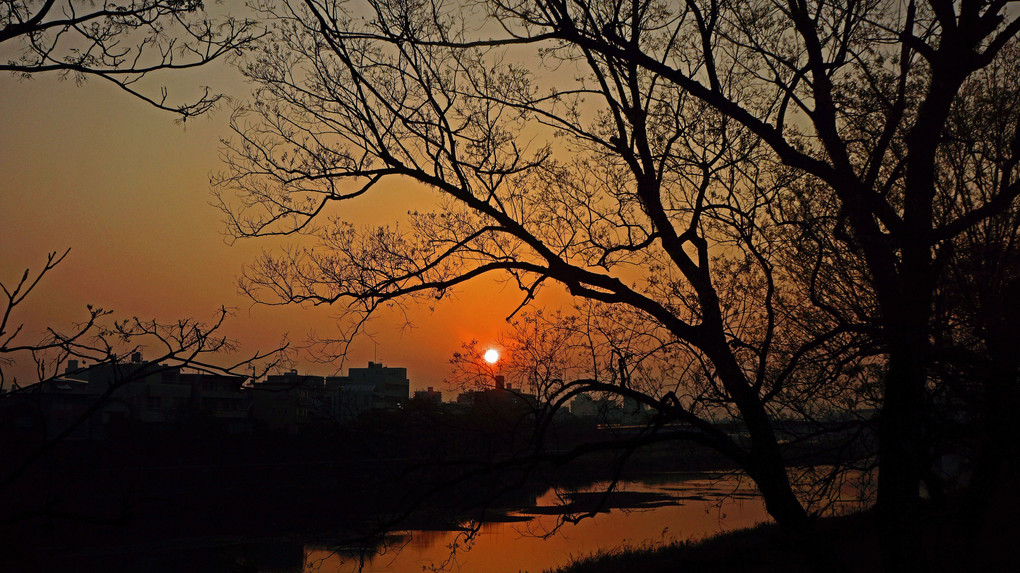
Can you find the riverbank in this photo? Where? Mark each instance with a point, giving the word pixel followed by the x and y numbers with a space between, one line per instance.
pixel 851 538
pixel 142 494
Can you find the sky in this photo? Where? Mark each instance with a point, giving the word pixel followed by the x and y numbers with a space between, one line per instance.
pixel 126 188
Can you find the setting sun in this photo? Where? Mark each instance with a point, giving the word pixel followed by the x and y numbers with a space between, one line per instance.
pixel 491 355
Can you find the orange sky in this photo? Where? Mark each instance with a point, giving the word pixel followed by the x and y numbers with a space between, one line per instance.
pixel 127 190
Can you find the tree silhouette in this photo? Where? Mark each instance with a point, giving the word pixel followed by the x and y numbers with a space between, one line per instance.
pixel 103 344
pixel 652 158
pixel 975 365
pixel 127 44
pixel 119 42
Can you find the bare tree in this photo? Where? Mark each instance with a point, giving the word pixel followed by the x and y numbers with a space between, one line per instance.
pixel 100 341
pixel 129 44
pixel 119 42
pixel 648 200
pixel 975 359
pixel 11 335
pixel 857 96
pixel 639 155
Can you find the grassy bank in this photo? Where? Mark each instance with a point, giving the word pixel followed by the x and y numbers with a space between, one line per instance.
pixel 852 540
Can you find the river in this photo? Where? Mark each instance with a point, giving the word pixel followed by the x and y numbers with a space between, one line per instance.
pixel 671 507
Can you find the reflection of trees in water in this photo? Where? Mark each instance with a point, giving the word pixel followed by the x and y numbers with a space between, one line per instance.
pixel 688 506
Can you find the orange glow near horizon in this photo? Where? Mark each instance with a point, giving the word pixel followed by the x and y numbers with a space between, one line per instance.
pixel 128 192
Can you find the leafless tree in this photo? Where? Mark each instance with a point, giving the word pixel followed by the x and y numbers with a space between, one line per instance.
pixel 645 155
pixel 820 401
pixel 975 365
pixel 653 193
pixel 101 341
pixel 129 44
pixel 858 96
pixel 121 42
pixel 11 336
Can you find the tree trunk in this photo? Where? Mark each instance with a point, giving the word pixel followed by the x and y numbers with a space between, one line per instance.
pixel 766 466
pixel 901 450
pixel 999 435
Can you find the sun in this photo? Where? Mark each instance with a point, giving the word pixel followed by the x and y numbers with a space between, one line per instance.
pixel 491 356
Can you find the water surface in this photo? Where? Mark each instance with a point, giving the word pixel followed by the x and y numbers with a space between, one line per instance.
pixel 672 507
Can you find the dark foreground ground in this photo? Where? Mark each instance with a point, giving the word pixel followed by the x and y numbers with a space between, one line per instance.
pixel 851 539
pixel 412 470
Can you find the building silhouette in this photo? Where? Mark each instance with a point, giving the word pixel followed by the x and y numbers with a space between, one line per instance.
pixel 376 387
pixel 94 399
pixel 429 395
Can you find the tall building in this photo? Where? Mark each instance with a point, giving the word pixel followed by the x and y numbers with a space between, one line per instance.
pixel 376 387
